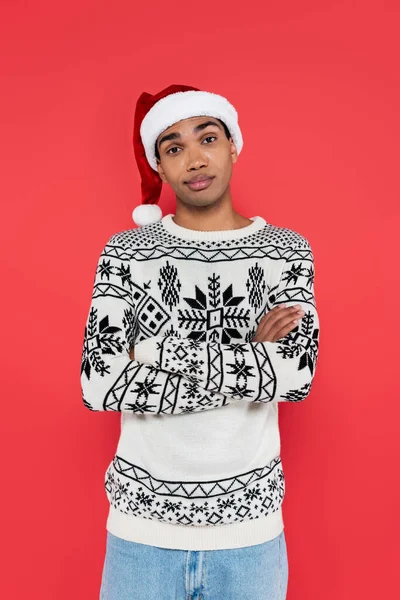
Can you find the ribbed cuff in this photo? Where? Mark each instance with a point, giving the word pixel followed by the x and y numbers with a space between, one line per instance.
pixel 146 351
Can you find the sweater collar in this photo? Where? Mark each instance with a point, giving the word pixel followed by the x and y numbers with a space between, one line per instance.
pixel 225 234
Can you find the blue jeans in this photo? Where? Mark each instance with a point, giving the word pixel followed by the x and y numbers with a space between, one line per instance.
pixel 134 571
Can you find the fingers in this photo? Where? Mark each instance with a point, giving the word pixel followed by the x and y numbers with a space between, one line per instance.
pixel 287 320
pixel 285 330
pixel 271 314
pixel 278 322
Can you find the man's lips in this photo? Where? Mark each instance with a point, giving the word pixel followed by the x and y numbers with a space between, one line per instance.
pixel 199 177
pixel 199 183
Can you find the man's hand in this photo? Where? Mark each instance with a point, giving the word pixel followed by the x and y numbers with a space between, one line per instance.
pixel 132 354
pixel 277 323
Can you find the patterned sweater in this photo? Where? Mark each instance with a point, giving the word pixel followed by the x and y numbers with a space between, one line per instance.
pixel 198 464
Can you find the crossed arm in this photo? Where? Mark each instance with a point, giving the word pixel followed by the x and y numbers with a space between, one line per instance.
pixel 254 371
pixel 171 375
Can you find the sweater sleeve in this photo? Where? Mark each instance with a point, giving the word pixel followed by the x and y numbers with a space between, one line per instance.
pixel 256 371
pixel 110 380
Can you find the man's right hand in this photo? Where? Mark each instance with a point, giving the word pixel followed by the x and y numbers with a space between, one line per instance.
pixel 277 323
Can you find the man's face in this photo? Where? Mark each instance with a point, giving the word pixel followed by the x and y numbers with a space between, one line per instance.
pixel 190 148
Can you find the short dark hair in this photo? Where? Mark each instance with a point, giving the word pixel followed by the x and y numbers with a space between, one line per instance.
pixel 227 133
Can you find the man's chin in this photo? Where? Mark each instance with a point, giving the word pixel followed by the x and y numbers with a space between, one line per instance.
pixel 203 204
pixel 198 201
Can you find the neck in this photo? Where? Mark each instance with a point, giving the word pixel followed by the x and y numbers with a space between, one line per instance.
pixel 219 216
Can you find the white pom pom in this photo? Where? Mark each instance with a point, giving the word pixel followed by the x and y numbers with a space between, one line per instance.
pixel 144 214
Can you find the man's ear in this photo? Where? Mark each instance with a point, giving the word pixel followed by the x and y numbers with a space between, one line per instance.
pixel 233 150
pixel 161 171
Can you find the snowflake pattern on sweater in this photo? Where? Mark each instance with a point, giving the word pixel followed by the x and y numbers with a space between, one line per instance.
pixel 190 309
pixel 252 495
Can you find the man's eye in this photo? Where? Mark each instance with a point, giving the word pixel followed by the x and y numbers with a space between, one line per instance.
pixel 211 136
pixel 173 148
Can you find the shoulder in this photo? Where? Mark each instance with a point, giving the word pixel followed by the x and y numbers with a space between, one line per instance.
pixel 130 239
pixel 285 238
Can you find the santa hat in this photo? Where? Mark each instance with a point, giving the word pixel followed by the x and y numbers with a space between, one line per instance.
pixel 154 114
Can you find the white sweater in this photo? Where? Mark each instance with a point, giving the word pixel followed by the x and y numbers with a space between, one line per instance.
pixel 198 463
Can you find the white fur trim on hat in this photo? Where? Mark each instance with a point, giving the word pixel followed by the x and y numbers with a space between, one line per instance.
pixel 144 214
pixel 183 105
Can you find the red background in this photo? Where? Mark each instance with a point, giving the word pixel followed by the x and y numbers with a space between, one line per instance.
pixel 317 89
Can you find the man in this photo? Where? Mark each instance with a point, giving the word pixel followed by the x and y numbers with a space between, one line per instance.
pixel 200 323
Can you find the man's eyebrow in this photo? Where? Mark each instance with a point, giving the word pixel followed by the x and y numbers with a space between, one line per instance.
pixel 196 129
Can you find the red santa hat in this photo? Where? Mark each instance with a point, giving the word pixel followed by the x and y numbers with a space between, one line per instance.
pixel 154 114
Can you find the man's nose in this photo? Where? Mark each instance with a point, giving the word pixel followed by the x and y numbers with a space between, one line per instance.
pixel 196 159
